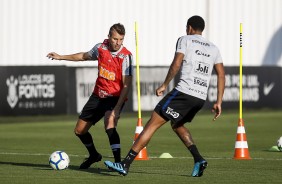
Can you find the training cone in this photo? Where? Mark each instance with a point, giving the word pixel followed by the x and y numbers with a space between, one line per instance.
pixel 274 148
pixel 241 145
pixel 142 155
pixel 165 155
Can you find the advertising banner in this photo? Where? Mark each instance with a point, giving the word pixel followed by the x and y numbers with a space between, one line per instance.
pixel 30 90
pixel 85 82
pixel 261 88
pixel 33 90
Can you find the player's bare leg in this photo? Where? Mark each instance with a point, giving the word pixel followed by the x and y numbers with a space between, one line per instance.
pixel 184 134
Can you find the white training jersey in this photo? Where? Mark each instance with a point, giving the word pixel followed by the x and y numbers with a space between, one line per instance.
pixel 200 55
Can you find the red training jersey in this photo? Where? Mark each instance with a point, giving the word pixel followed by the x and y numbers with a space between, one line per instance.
pixel 109 81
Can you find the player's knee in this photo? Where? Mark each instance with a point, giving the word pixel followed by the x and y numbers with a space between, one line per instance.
pixel 108 124
pixel 174 127
pixel 82 127
pixel 78 132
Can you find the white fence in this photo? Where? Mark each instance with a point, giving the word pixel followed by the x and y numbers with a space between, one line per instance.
pixel 32 28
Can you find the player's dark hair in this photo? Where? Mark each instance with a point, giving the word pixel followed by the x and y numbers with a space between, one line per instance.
pixel 196 22
pixel 119 28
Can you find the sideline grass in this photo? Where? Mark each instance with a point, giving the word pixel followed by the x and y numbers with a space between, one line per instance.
pixel 27 142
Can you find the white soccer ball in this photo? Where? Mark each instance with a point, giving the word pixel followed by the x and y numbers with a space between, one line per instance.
pixel 279 143
pixel 59 160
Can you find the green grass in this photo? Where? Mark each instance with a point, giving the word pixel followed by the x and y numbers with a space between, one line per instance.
pixel 27 142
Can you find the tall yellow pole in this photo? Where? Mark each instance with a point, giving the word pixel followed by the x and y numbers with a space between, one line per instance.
pixel 142 155
pixel 241 144
pixel 137 71
pixel 241 74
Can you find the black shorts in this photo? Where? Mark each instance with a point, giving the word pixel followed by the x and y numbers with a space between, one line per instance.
pixel 179 107
pixel 95 108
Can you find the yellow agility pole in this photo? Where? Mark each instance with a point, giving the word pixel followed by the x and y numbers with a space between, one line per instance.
pixel 137 71
pixel 142 155
pixel 241 74
pixel 241 144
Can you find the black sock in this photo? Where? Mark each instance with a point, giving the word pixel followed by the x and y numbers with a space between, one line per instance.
pixel 129 158
pixel 115 143
pixel 87 140
pixel 195 153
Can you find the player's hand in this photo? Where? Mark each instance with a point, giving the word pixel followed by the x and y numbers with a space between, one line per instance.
pixel 216 110
pixel 160 90
pixel 53 55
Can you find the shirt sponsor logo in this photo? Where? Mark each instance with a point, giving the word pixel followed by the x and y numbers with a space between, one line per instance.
pixel 202 68
pixel 103 93
pixel 171 112
pixel 198 52
pixel 202 93
pixel 201 43
pixel 106 74
pixel 200 82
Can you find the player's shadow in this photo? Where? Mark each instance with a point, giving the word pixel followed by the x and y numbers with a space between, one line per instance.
pixel 42 166
pixel 102 171
pixel 94 169
pixel 105 171
pixel 97 170
pixel 47 167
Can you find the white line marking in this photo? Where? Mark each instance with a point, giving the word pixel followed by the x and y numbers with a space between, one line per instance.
pixel 153 157
pixel 33 154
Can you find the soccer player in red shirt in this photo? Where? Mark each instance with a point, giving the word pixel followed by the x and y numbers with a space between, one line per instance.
pixel 109 94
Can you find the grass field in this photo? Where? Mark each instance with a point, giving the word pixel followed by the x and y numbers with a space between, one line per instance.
pixel 27 142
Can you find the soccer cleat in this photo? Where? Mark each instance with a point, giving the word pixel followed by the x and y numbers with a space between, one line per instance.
pixel 118 167
pixel 89 161
pixel 199 168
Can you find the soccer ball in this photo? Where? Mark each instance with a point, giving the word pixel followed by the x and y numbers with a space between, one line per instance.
pixel 59 160
pixel 279 143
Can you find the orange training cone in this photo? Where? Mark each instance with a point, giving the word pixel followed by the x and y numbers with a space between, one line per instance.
pixel 241 145
pixel 142 155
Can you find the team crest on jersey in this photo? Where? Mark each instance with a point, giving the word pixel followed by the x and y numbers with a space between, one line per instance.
pixel 121 56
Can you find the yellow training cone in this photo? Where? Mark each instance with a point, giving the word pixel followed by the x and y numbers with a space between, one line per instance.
pixel 165 155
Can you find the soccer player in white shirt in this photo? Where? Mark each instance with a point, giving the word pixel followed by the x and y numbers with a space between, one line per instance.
pixel 195 57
